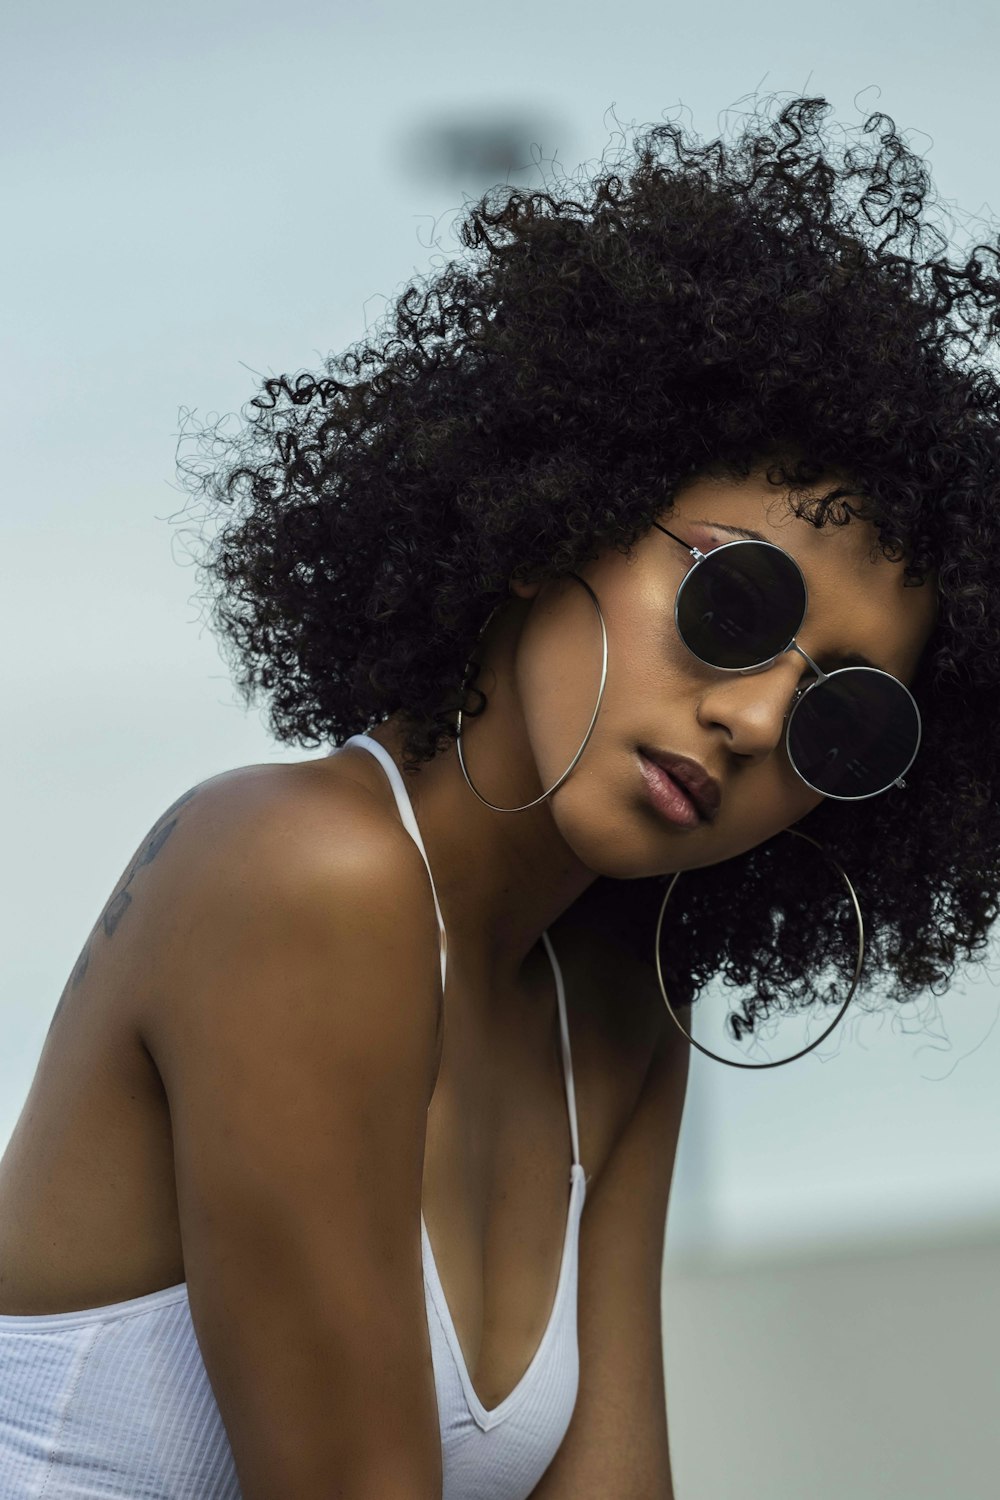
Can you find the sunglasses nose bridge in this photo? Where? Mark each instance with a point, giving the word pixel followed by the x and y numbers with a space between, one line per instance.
pixel 765 666
pixel 793 645
pixel 821 676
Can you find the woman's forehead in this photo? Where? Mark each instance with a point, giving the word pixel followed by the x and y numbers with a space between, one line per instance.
pixel 755 505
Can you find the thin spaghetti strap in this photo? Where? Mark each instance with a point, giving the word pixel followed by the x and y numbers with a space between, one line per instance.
pixel 406 813
pixel 566 1053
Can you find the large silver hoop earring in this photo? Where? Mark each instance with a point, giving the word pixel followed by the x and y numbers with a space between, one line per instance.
pixel 590 729
pixel 836 1020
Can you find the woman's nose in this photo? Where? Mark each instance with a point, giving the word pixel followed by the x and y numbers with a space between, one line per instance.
pixel 752 707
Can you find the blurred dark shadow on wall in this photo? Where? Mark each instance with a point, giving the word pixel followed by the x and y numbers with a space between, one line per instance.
pixel 475 151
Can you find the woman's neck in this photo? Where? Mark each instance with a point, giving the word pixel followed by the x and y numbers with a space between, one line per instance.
pixel 502 878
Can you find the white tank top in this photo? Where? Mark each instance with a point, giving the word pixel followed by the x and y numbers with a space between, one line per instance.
pixel 114 1402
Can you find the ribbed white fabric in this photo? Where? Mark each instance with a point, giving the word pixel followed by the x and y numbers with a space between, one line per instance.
pixel 114 1402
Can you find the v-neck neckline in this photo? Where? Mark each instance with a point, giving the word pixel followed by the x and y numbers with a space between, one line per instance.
pixel 484 1417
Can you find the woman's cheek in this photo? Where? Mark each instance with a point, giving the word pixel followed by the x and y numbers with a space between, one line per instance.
pixel 770 814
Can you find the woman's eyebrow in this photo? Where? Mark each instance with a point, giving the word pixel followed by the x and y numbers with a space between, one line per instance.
pixel 744 531
pixel 831 658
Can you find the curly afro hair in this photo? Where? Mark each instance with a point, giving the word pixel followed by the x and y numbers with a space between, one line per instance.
pixel 785 294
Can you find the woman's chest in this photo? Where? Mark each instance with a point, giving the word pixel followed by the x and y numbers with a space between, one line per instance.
pixel 499 1145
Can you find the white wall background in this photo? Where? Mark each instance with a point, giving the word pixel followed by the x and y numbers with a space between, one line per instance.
pixel 867 1375
pixel 196 192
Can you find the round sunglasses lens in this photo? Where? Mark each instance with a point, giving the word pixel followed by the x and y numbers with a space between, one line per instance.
pixel 854 734
pixel 740 605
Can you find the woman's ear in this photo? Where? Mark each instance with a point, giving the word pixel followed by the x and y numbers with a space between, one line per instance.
pixel 524 589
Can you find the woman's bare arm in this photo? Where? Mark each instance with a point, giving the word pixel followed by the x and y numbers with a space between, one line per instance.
pixel 298 1054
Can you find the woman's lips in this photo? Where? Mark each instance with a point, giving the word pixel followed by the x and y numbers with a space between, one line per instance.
pixel 668 796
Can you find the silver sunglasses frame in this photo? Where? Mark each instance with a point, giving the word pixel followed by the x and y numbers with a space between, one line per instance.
pixel 792 645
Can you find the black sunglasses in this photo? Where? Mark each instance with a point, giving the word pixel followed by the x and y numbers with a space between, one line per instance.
pixel 851 733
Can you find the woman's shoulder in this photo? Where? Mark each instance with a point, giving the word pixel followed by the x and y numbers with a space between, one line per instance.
pixel 266 848
pixel 271 823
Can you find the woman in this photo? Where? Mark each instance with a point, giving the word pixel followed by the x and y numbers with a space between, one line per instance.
pixel 346 1164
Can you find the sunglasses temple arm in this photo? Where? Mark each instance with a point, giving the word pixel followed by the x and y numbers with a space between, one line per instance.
pixel 695 553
